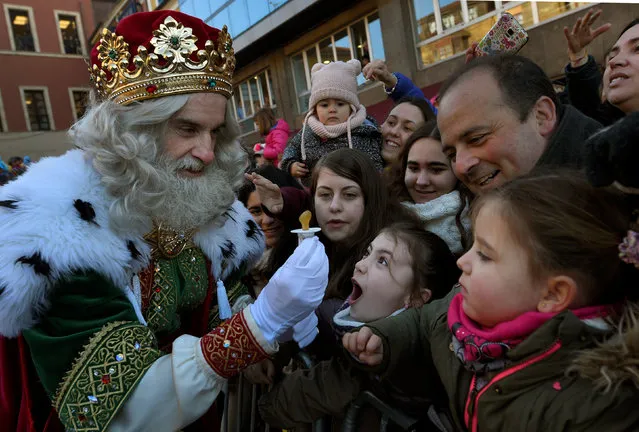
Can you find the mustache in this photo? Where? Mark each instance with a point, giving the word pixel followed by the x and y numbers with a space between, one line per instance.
pixel 189 163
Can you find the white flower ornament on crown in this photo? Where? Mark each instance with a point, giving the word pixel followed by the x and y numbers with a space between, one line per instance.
pixel 175 38
pixel 168 70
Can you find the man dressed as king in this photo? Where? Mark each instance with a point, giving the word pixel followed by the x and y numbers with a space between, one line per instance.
pixel 120 260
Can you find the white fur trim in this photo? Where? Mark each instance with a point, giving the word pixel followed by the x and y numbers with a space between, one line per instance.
pixel 45 222
pixel 213 238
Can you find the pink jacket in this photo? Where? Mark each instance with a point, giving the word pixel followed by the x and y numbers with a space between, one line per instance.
pixel 276 140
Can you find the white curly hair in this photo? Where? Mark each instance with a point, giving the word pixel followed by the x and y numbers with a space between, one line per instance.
pixel 124 145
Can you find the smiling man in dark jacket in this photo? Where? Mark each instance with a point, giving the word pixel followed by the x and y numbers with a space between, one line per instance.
pixel 499 117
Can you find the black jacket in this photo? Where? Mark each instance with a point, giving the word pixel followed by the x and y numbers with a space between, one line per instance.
pixel 566 144
pixel 583 86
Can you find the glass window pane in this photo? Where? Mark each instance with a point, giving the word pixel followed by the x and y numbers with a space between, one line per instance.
pixel 274 4
pixel 267 99
pixel 214 4
pixel 456 42
pixel 257 103
pixel 479 8
pixel 21 29
pixel 197 8
pixel 548 10
pixel 80 102
pixel 375 33
pixel 273 94
pixel 360 44
pixel 244 91
pixel 523 13
pixel 326 51
pixel 37 110
pixel 425 19
pixel 258 9
pixel 299 75
pixel 238 17
pixel 222 19
pixel 239 111
pixel 69 32
pixel 342 45
pixel 450 11
pixel 311 57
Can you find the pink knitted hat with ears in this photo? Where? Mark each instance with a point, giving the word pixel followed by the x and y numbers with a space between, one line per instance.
pixel 335 80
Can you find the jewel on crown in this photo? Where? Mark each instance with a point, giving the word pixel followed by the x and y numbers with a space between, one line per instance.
pixel 168 70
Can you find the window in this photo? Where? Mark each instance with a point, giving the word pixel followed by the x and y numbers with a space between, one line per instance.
pixel 302 89
pixel 361 40
pixel 21 25
pixel 69 26
pixel 238 15
pixel 250 96
pixel 37 109
pixel 79 100
pixel 444 28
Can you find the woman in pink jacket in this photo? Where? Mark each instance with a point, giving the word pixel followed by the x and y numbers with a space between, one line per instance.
pixel 276 133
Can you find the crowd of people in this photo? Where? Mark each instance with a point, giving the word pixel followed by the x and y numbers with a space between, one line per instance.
pixel 17 166
pixel 475 269
pixel 504 188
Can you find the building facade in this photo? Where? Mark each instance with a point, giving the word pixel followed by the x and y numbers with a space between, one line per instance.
pixel 42 48
pixel 278 41
pixel 44 83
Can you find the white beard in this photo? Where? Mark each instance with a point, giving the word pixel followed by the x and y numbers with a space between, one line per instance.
pixel 192 202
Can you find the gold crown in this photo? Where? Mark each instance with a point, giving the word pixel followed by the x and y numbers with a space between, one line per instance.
pixel 169 70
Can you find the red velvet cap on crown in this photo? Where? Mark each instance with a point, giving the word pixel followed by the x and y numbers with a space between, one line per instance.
pixel 160 53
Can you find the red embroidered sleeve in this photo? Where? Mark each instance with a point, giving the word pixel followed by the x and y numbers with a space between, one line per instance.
pixel 231 347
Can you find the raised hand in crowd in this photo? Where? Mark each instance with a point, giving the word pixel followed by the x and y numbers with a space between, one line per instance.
pixel 260 373
pixel 269 192
pixel 378 71
pixel 472 52
pixel 299 170
pixel 581 35
pixel 365 346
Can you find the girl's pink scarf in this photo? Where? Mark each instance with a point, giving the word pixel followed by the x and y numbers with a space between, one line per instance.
pixel 485 345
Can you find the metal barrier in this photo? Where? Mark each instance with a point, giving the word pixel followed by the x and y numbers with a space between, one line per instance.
pixel 239 425
pixel 434 419
pixel 388 413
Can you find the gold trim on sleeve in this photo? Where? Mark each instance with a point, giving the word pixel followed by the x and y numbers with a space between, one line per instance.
pixel 104 375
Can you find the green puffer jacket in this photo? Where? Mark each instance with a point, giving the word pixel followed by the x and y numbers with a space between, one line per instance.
pixel 534 393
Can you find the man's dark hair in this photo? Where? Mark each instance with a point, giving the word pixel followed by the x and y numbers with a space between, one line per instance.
pixel 521 81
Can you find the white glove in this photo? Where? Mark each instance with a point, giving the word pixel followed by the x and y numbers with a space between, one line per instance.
pixel 294 292
pixel 305 331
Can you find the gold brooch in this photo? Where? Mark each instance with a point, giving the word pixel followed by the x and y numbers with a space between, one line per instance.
pixel 168 243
